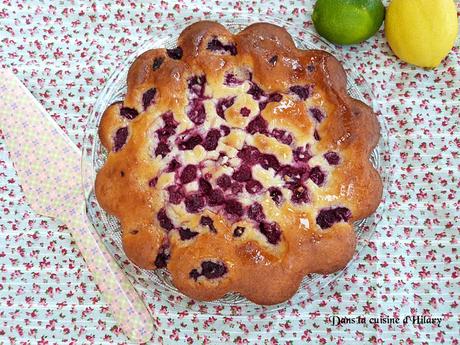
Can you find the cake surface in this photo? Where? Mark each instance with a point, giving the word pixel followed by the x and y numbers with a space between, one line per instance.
pixel 239 162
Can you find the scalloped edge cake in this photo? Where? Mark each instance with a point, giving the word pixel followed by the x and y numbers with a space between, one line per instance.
pixel 238 162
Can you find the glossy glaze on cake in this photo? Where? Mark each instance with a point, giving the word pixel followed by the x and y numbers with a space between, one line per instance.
pixel 239 162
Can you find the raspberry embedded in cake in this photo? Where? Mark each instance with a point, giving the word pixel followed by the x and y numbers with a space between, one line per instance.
pixel 187 234
pixel 232 80
pixel 294 173
pixel 207 221
pixel 237 159
pixel 239 231
pixel 223 104
pixel 120 138
pixel 234 207
pixel 225 130
pixel 211 140
pixel 224 181
pixel 197 112
pixel 274 97
pixel 216 45
pixel 153 182
pixel 190 142
pixel 196 86
pixel 282 136
pixel 299 193
pixel 163 256
pixel 303 92
pixel 236 188
pixel 317 114
pixel 173 165
pixel 253 186
pixel 256 212
pixel 216 197
pixel 205 186
pixel 249 155
pixel 302 154
pixel 273 60
pixel 242 174
pixel 148 98
pixel 212 270
pixel 269 161
pixel 271 231
pixel 162 150
pixel 157 62
pixel 245 111
pixel 256 92
pixel 332 158
pixel 176 194
pixel 188 174
pixel 164 220
pixel 276 194
pixel 175 53
pixel 257 125
pixel 316 135
pixel 129 113
pixel 194 202
pixel 317 176
pixel 328 217
pixel 209 270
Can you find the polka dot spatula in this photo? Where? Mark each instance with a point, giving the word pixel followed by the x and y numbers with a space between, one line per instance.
pixel 49 168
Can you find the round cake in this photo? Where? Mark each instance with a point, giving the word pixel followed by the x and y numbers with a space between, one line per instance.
pixel 238 162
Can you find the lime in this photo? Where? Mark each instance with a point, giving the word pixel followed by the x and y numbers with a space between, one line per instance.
pixel 348 21
pixel 421 32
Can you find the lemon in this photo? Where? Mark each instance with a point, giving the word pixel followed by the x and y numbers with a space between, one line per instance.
pixel 348 21
pixel 421 32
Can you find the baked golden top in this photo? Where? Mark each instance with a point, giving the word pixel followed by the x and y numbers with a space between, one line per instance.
pixel 239 162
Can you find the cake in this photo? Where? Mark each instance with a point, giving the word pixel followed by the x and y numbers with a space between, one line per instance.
pixel 238 162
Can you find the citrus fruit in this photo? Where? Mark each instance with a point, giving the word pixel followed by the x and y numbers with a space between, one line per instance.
pixel 421 32
pixel 348 21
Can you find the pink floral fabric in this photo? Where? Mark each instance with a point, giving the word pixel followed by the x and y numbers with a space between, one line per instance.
pixel 65 51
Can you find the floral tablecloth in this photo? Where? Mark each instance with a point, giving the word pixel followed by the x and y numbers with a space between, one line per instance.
pixel 64 51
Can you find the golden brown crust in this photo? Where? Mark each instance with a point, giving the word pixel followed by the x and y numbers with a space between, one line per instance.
pixel 284 123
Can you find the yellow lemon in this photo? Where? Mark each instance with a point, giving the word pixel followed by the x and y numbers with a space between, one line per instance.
pixel 421 32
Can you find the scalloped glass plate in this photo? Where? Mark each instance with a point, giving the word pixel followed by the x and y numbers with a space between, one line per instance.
pixel 156 286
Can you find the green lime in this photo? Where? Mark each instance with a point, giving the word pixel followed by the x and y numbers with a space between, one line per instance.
pixel 348 21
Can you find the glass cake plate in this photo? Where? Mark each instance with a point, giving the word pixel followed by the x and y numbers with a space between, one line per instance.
pixel 156 285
